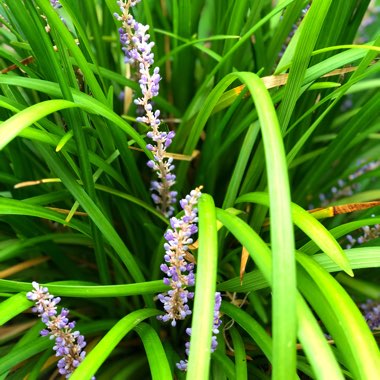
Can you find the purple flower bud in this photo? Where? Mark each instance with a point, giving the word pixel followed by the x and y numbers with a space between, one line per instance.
pixel 169 235
pixel 164 268
pixel 156 199
pixel 182 365
pixel 31 296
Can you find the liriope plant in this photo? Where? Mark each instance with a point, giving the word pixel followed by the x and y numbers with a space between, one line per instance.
pixel 267 131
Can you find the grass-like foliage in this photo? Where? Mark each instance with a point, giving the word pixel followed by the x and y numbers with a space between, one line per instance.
pixel 275 110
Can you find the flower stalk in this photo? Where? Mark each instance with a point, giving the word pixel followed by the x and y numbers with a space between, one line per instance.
pixel 137 48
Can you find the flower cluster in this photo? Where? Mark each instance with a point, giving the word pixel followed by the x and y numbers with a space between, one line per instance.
pixel 348 187
pixel 68 344
pixel 369 233
pixel 371 311
pixel 182 365
pixel 341 190
pixel 178 266
pixel 138 50
pixel 368 167
pixel 178 270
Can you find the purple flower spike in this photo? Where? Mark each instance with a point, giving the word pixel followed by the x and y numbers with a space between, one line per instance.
pixel 178 271
pixel 369 233
pixel 371 313
pixel 68 344
pixel 217 321
pixel 182 365
pixel 134 38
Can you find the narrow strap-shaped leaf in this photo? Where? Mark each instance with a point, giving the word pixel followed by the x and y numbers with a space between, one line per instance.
pixel 257 248
pixel 84 290
pixel 16 207
pixel 198 101
pixel 22 353
pixel 315 345
pixel 28 339
pixel 158 362
pixel 282 235
pixel 241 164
pixel 262 257
pixel 95 214
pixel 81 61
pixel 310 247
pixel 342 319
pixel 365 257
pixel 225 364
pixel 240 355
pixel 104 348
pixel 311 26
pixel 82 100
pixel 204 301
pixel 311 226
pixel 251 326
pixel 14 125
pixel 13 306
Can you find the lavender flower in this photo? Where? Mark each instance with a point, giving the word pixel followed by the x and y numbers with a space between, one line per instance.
pixel 371 311
pixel 348 187
pixel 217 321
pixel 138 50
pixel 347 103
pixel 368 167
pixel 179 272
pixel 182 365
pixel 55 4
pixel 369 233
pixel 68 344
